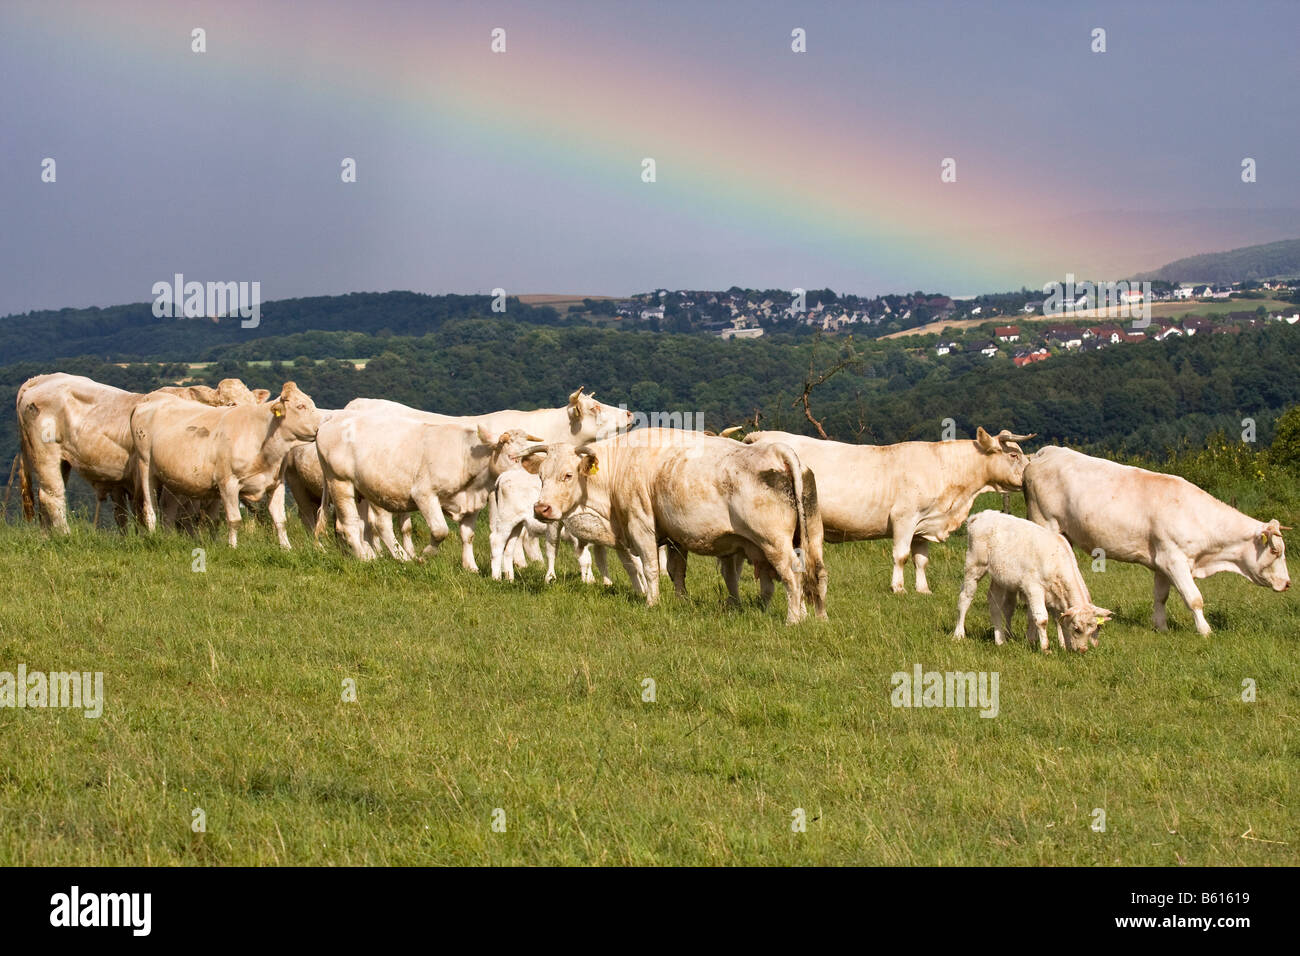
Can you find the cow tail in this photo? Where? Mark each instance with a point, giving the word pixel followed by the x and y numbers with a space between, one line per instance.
pixel 795 468
pixel 324 506
pixel 25 476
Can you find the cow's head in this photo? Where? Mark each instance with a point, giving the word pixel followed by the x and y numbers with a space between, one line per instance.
pixel 564 473
pixel 1080 623
pixel 508 448
pixel 590 420
pixel 296 412
pixel 1004 460
pixel 232 391
pixel 1266 564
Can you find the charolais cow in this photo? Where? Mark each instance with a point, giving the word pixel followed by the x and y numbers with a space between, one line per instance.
pixel 914 492
pixel 709 496
pixel 1159 521
pixel 1021 558
pixel 399 464
pixel 580 420
pixel 70 422
pixel 232 453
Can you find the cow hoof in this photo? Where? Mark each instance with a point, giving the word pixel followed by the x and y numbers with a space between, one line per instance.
pixel 922 590
pixel 959 635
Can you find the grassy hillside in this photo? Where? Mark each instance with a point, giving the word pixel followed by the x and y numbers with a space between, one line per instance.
pixel 1266 261
pixel 224 693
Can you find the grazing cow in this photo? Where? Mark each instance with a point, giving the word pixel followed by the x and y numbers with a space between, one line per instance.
pixel 707 495
pixel 1022 558
pixel 915 492
pixel 232 453
pixel 1161 522
pixel 580 420
pixel 400 464
pixel 70 422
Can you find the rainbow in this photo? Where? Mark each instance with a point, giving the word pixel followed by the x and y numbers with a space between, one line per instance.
pixel 588 109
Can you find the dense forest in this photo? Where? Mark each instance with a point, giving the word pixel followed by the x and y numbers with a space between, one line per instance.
pixel 1140 399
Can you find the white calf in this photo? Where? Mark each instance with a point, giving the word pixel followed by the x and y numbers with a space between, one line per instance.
pixel 1022 558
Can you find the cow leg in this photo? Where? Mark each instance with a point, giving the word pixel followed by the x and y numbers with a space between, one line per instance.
pixel 52 493
pixel 730 565
pixel 1007 609
pixel 407 529
pixel 996 596
pixel 902 549
pixel 347 519
pixel 676 567
pixel 1181 575
pixel 920 558
pixel 498 539
pixel 279 516
pixel 968 587
pixel 552 545
pixel 384 520
pixel 94 522
pixel 765 574
pixel 230 500
pixel 632 565
pixel 600 557
pixel 1159 618
pixel 121 514
pixel 1036 603
pixel 437 522
pixel 466 523
pixel 147 513
pixel 779 556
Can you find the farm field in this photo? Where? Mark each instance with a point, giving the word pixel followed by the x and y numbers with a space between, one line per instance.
pixel 224 692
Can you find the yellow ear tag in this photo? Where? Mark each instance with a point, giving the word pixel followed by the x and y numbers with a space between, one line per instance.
pixel 279 412
pixel 592 470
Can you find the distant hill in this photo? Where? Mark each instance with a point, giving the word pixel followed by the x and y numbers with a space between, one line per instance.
pixel 126 332
pixel 1270 260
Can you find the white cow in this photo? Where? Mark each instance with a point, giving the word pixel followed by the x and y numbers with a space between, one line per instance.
pixel 914 492
pixel 72 423
pixel 1022 558
pixel 234 453
pixel 706 495
pixel 1162 522
pixel 399 464
pixel 580 420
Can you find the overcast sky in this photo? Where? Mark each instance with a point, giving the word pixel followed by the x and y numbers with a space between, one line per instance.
pixel 524 169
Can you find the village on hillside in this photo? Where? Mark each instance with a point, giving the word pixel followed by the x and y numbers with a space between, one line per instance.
pixel 970 326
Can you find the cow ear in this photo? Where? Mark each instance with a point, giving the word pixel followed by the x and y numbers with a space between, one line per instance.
pixel 261 394
pixel 589 464
pixel 486 437
pixel 277 408
pixel 988 444
pixel 1103 614
pixel 533 463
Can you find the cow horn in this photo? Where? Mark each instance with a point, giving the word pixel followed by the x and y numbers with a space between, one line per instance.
pixel 540 448
pixel 576 395
pixel 1006 435
pixel 728 432
pixel 535 440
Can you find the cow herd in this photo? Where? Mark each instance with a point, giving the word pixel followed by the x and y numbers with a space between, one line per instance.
pixel 581 473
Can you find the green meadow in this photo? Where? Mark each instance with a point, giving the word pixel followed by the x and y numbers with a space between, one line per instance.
pixel 481 703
